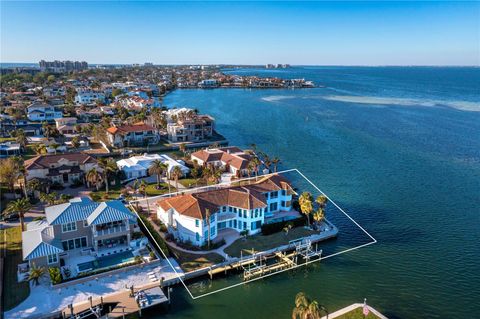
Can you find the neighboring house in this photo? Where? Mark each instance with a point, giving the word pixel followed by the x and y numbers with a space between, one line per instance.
pixel 78 231
pixel 66 125
pixel 239 207
pixel 9 149
pixel 137 166
pixel 88 97
pixel 65 168
pixel 137 103
pixel 39 111
pixel 130 135
pixel 184 125
pixel 232 159
pixel 210 83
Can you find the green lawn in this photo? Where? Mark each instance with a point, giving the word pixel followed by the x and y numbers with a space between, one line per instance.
pixel 262 243
pixel 192 182
pixel 189 262
pixel 13 292
pixel 357 314
pixel 153 191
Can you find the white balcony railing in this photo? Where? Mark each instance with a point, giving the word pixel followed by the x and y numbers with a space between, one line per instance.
pixel 111 230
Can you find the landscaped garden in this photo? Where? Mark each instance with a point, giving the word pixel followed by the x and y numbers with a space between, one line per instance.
pixel 11 248
pixel 261 242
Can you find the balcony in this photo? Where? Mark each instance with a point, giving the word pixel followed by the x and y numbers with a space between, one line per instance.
pixel 110 230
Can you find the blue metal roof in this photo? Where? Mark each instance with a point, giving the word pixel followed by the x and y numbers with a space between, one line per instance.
pixel 110 211
pixel 77 209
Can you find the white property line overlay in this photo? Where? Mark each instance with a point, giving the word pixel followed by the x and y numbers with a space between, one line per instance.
pixel 179 276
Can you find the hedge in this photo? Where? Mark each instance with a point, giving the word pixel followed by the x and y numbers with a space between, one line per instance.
pixel 272 228
pixel 155 234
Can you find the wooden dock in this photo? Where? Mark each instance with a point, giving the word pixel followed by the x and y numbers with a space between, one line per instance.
pixel 123 303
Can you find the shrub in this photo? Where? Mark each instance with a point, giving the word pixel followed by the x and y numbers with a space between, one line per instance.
pixel 57 186
pixel 156 236
pixel 55 275
pixel 268 229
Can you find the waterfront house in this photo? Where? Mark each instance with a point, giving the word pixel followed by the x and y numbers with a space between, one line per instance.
pixel 238 208
pixel 89 97
pixel 76 232
pixel 137 166
pixel 232 159
pixel 130 135
pixel 65 169
pixel 184 125
pixel 39 111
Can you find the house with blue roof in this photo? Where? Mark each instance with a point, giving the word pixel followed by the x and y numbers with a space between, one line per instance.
pixel 78 233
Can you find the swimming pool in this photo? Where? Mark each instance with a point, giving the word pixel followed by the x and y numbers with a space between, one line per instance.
pixel 107 261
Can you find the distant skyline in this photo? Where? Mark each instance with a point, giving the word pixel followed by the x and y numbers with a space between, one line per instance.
pixel 298 33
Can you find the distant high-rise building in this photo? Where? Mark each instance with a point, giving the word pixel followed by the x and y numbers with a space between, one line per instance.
pixel 62 66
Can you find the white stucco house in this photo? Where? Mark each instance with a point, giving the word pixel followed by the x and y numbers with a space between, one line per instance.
pixel 233 159
pixel 88 97
pixel 137 166
pixel 39 111
pixel 238 207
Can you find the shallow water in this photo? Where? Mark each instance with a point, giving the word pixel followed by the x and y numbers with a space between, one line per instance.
pixel 398 149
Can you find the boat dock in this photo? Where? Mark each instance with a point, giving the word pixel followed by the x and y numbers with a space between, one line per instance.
pixel 118 305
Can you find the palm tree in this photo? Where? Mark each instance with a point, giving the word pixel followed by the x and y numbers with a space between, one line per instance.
pixel 301 306
pixel 183 148
pixel 157 167
pixel 21 138
pixel 195 172
pixel 176 173
pixel 319 214
pixel 306 308
pixel 19 206
pixel 40 149
pixel 75 142
pixel 48 198
pixel 108 167
pixel 20 171
pixel 143 188
pixel 275 162
pixel 306 205
pixel 35 274
pixel 321 200
pixel 93 177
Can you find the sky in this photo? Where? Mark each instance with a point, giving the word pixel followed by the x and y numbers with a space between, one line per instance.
pixel 298 33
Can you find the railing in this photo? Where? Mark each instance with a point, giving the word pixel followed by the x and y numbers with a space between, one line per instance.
pixel 111 230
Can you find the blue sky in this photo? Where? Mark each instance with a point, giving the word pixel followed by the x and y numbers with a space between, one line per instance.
pixel 315 33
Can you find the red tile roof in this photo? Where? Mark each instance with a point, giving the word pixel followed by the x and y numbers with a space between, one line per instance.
pixel 44 161
pixel 245 197
pixel 137 127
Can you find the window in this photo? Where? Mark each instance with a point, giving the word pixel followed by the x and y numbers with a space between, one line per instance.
pixel 284 192
pixel 68 227
pixel 197 237
pixel 224 208
pixel 52 259
pixel 85 223
pixel 212 232
pixel 283 203
pixel 197 223
pixel 70 244
pixel 229 208
pixel 244 225
pixel 212 218
pixel 274 195
pixel 273 207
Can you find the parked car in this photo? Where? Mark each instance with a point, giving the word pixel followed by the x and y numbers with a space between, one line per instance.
pixel 13 217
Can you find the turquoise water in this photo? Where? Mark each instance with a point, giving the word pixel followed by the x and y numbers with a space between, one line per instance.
pixel 397 148
pixel 108 261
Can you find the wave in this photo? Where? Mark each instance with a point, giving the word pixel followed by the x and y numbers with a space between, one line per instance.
pixel 459 105
pixel 276 98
